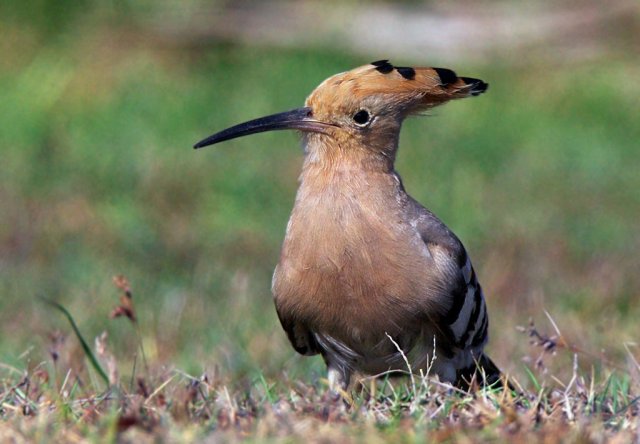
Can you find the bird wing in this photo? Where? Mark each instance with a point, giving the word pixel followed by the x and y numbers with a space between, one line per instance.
pixel 463 320
pixel 301 338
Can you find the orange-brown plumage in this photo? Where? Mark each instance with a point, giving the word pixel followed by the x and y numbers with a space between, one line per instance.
pixel 364 268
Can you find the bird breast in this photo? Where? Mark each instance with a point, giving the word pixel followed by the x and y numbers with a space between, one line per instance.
pixel 351 263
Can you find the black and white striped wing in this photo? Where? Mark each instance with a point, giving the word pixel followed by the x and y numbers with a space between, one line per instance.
pixel 463 321
pixel 466 321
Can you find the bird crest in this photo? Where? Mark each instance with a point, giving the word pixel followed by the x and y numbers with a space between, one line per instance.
pixel 400 89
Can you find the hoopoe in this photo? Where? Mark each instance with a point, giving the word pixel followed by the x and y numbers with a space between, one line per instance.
pixel 367 276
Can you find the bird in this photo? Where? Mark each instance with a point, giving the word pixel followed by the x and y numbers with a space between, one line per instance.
pixel 367 277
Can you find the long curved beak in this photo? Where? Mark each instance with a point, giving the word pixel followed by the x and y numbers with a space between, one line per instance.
pixel 298 119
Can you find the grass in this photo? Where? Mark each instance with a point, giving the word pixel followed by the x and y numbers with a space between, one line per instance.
pixel 97 120
pixel 169 404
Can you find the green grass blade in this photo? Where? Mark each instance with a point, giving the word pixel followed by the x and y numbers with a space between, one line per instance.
pixel 268 389
pixel 533 378
pixel 85 347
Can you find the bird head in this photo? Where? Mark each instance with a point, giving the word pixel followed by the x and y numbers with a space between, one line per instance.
pixel 362 108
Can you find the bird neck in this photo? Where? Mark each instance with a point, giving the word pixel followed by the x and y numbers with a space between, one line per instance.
pixel 356 180
pixel 330 157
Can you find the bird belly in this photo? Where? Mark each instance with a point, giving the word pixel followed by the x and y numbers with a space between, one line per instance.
pixel 354 289
pixel 362 305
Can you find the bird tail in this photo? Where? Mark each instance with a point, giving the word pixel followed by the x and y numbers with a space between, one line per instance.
pixel 483 372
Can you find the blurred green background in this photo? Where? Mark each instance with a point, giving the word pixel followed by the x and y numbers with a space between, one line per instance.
pixel 100 103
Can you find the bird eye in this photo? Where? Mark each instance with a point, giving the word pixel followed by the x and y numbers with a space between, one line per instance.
pixel 361 117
